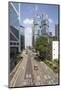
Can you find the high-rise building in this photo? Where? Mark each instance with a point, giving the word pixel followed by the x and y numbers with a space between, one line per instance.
pixel 13 14
pixel 16 30
pixel 44 25
pixel 40 26
pixel 37 25
pixel 33 34
pixel 22 37
pixel 57 31
pixel 14 39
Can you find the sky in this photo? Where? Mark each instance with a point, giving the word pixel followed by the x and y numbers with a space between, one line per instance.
pixel 28 12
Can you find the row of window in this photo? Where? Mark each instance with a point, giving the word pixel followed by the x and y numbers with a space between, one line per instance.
pixel 14 43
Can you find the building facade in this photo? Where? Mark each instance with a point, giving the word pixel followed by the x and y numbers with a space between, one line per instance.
pixel 57 31
pixel 16 34
pixel 22 37
pixel 55 48
pixel 14 39
pixel 44 25
pixel 37 25
pixel 40 26
pixel 16 31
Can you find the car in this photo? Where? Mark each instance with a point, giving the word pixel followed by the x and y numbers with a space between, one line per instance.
pixel 35 67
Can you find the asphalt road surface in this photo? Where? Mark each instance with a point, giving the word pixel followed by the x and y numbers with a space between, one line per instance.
pixel 27 76
pixel 29 73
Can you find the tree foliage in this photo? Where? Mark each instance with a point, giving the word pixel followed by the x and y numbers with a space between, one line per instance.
pixel 41 45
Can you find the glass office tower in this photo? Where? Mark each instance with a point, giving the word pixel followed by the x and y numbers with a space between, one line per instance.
pixel 44 25
pixel 37 25
pixel 16 30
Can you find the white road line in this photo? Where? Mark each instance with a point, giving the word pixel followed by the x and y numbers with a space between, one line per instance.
pixel 38 78
pixel 27 76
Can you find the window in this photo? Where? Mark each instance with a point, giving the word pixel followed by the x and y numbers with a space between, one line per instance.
pixel 17 43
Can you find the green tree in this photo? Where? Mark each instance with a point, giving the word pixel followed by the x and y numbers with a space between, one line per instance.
pixel 41 45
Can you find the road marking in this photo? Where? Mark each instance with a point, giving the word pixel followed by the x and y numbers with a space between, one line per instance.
pixel 25 83
pixel 37 83
pixel 16 78
pixel 45 76
pixel 38 78
pixel 51 82
pixel 49 77
pixel 46 67
pixel 29 76
pixel 26 75
pixel 13 81
pixel 23 68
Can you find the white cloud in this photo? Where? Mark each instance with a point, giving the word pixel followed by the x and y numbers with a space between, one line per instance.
pixel 50 20
pixel 28 21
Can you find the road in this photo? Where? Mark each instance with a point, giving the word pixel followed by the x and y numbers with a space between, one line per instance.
pixel 26 75
pixel 28 72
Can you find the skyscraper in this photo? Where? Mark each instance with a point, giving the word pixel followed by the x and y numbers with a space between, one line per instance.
pixel 37 25
pixel 22 37
pixel 14 27
pixel 44 25
pixel 16 30
pixel 41 26
pixel 57 31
